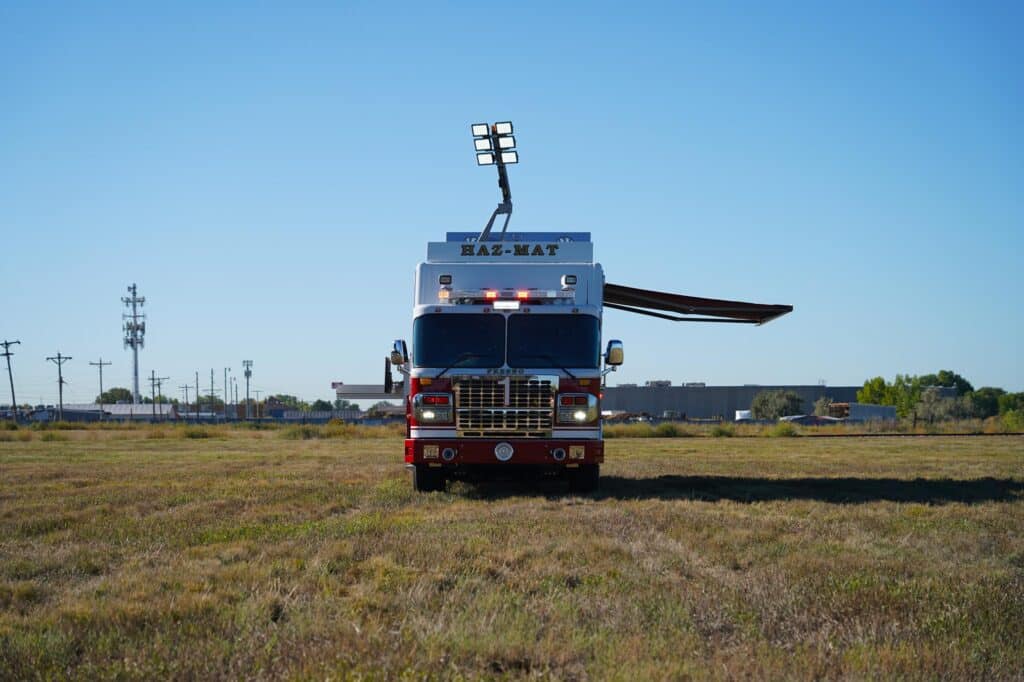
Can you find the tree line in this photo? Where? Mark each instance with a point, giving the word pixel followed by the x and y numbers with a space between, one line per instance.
pixel 914 397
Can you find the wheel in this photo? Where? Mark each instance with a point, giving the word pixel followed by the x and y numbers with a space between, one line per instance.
pixel 585 479
pixel 426 480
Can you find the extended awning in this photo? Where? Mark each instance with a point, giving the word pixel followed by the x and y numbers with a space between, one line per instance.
pixel 689 308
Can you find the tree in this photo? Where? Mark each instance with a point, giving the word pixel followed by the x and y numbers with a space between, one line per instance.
pixel 775 404
pixel 160 398
pixel 342 404
pixel 290 401
pixel 949 379
pixel 1011 402
pixel 822 405
pixel 320 406
pixel 933 407
pixel 985 401
pixel 114 396
pixel 873 392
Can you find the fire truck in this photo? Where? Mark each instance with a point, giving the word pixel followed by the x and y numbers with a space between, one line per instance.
pixel 506 365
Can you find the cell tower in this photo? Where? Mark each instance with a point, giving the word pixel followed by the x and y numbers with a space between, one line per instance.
pixel 134 334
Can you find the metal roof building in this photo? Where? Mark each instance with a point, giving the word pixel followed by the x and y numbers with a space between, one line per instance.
pixel 710 402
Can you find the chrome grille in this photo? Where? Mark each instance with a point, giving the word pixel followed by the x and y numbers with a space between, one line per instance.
pixel 520 406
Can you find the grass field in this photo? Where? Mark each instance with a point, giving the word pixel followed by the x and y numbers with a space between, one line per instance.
pixel 249 554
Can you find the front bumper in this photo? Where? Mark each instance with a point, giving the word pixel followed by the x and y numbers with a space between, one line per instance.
pixel 533 452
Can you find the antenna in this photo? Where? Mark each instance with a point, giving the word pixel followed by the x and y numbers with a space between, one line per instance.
pixel 7 354
pixel 495 146
pixel 59 360
pixel 101 365
pixel 134 334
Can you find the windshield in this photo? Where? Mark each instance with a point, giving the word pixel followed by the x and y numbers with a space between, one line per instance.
pixel 553 341
pixel 458 340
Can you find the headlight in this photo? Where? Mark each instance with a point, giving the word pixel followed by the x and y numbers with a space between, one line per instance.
pixel 432 408
pixel 577 408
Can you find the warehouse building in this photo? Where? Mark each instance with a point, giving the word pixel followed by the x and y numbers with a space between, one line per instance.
pixel 697 401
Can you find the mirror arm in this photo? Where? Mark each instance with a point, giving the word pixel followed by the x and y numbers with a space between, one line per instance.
pixel 609 369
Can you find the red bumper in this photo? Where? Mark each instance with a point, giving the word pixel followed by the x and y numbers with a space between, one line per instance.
pixel 524 451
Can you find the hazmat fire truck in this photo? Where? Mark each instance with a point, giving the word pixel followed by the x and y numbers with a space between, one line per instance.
pixel 506 364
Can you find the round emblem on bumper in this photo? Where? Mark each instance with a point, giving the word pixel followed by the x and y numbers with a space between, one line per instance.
pixel 504 451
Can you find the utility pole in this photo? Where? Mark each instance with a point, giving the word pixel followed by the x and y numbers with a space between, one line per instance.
pixel 7 354
pixel 134 334
pixel 197 397
pixel 248 373
pixel 257 392
pixel 101 365
pixel 59 360
pixel 213 397
pixel 185 389
pixel 227 393
pixel 160 393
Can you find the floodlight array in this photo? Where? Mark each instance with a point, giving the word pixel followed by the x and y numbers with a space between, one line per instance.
pixel 498 138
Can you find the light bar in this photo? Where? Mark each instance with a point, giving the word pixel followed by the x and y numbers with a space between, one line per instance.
pixel 503 128
pixel 482 144
pixel 507 142
pixel 485 159
pixel 506 157
pixel 480 130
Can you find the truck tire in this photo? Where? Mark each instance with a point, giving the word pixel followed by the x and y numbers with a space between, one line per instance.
pixel 585 479
pixel 427 480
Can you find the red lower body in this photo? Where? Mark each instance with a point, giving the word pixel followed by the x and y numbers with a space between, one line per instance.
pixel 525 451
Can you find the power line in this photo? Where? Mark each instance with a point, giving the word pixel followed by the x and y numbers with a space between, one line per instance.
pixel 7 354
pixel 134 334
pixel 59 360
pixel 101 365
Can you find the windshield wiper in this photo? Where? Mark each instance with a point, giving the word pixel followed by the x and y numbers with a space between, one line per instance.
pixel 551 359
pixel 459 360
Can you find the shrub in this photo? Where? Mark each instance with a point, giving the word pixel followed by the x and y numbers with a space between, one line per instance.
pixel 723 431
pixel 783 430
pixel 1013 420
pixel 156 434
pixel 195 432
pixel 670 430
pixel 9 426
pixel 50 436
pixel 301 432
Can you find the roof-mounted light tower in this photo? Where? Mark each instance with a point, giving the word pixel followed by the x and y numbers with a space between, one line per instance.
pixel 496 146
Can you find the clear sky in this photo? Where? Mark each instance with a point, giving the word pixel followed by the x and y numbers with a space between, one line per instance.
pixel 270 173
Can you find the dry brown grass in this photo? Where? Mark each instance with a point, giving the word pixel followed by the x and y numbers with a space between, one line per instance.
pixel 246 554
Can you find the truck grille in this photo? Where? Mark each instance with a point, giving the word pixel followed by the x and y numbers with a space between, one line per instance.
pixel 502 407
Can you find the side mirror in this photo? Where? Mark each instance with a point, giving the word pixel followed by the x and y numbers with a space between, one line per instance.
pixel 399 353
pixel 614 355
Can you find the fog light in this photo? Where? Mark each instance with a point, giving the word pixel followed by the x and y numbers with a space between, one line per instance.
pixel 558 454
pixel 430 451
pixel 577 452
pixel 448 454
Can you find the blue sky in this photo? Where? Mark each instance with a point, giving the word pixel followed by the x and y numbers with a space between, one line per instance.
pixel 270 175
